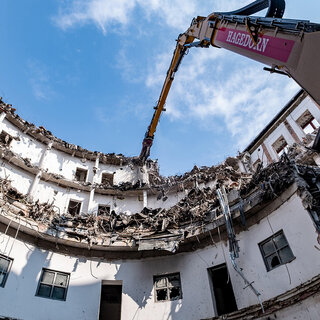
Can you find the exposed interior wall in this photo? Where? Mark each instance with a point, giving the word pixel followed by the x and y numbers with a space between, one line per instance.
pixel 281 130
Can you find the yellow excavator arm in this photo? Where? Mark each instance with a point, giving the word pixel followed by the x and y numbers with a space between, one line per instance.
pixel 287 46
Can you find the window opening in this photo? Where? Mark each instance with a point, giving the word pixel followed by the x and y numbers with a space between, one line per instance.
pixel 307 122
pixel 103 210
pixel 5 265
pixel 110 302
pixel 81 175
pixel 74 207
pixel 276 251
pixel 107 178
pixel 222 289
pixel 167 287
pixel 53 285
pixel 5 138
pixel 280 146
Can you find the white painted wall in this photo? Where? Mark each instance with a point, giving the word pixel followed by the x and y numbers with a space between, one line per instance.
pixel 27 147
pixel 137 275
pixel 20 179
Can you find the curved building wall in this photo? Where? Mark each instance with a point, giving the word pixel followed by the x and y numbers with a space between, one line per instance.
pixel 43 169
pixel 136 276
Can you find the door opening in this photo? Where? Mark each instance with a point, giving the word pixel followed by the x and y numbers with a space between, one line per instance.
pixel 222 289
pixel 110 301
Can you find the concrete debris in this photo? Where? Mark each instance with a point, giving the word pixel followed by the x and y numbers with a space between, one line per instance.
pixel 173 225
pixel 161 228
pixel 124 186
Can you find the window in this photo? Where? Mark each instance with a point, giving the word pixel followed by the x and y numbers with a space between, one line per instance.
pixel 107 178
pixel 103 210
pixel 74 207
pixel 53 284
pixel 5 265
pixel 81 175
pixel 224 298
pixel 280 146
pixel 167 287
pixel 307 122
pixel 5 138
pixel 276 251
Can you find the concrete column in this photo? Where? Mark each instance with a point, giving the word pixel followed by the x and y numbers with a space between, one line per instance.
pixel 291 131
pixel 90 202
pixel 266 152
pixel 94 180
pixel 37 178
pixel 145 198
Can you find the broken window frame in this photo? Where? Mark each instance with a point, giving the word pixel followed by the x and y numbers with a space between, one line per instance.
pixel 5 136
pixel 276 250
pixel 5 272
pixel 78 176
pixel 78 205
pixel 283 147
pixel 313 123
pixel 309 125
pixel 53 285
pixel 101 210
pixel 167 286
pixel 107 178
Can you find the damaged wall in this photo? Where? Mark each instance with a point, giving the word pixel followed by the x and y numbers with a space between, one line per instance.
pixel 137 275
pixel 290 113
pixel 177 218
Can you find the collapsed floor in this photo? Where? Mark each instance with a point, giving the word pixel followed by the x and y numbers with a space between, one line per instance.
pixel 199 207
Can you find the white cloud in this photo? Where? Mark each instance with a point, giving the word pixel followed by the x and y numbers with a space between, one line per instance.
pixel 105 13
pixel 210 85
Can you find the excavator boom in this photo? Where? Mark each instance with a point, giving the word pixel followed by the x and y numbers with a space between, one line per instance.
pixel 287 46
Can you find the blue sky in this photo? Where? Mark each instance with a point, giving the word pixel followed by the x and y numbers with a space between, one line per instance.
pixel 91 71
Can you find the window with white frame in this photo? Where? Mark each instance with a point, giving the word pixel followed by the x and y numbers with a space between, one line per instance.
pixel 276 251
pixel 167 287
pixel 307 122
pixel 5 265
pixel 53 284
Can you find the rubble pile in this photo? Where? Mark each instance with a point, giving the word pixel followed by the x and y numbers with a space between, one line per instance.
pixel 193 210
pixel 199 206
pixel 37 211
pixel 227 173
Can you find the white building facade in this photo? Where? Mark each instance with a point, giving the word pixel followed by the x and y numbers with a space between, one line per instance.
pixel 54 264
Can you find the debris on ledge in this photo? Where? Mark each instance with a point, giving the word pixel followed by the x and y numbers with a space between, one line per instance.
pixel 199 207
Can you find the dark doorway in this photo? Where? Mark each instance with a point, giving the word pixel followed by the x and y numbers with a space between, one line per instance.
pixel 110 304
pixel 222 289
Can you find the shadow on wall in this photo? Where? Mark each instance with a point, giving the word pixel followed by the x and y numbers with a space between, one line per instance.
pixel 19 300
pixel 132 287
pixel 20 287
pixel 139 285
